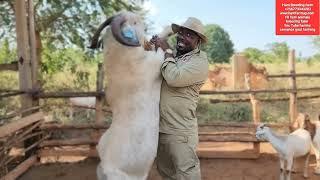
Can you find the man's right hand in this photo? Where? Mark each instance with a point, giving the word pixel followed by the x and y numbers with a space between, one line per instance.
pixel 158 42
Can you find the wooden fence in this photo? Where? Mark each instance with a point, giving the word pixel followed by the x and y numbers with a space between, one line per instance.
pixel 33 136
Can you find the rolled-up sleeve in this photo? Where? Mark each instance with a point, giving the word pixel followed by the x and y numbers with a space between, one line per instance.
pixel 194 71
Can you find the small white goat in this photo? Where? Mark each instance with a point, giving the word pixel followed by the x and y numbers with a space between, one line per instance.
pixel 316 145
pixel 296 144
pixel 128 148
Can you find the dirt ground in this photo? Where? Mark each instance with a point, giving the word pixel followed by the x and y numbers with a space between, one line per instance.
pixel 266 167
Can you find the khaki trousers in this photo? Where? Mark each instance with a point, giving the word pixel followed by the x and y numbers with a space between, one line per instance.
pixel 177 158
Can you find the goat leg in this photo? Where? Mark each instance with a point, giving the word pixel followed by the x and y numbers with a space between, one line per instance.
pixel 282 172
pixel 289 168
pixel 317 154
pixel 306 165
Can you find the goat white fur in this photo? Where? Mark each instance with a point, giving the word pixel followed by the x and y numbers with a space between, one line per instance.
pixel 316 146
pixel 128 148
pixel 303 122
pixel 296 144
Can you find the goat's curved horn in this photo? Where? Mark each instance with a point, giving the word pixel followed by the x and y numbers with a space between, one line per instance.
pixel 116 31
pixel 95 38
pixel 307 118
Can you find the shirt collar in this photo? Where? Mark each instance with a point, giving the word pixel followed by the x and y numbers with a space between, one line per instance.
pixel 195 51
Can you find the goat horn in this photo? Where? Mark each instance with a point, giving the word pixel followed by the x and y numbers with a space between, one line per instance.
pixel 307 117
pixel 116 31
pixel 95 39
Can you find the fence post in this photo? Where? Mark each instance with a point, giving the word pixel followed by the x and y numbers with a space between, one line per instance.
pixel 255 103
pixel 240 66
pixel 292 82
pixel 99 99
pixel 27 64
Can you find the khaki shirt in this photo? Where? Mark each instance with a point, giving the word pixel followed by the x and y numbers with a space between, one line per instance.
pixel 183 78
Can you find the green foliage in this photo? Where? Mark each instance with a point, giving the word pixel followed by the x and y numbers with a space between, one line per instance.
pixel 172 41
pixel 314 59
pixel 65 23
pixel 71 60
pixel 234 112
pixel 316 41
pixel 253 54
pixel 275 53
pixel 7 54
pixel 219 47
pixel 280 50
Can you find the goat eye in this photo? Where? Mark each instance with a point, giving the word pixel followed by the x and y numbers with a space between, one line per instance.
pixel 135 23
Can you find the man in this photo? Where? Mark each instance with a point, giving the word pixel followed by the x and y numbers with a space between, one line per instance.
pixel 184 73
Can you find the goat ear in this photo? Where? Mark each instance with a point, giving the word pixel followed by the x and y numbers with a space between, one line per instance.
pixel 261 126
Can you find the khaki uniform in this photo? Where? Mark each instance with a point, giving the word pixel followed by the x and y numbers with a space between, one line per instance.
pixel 183 78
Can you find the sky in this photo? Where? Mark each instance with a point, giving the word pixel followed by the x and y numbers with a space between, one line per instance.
pixel 250 23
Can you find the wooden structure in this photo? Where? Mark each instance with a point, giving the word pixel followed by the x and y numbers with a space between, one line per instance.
pixel 36 136
pixel 240 66
pixel 12 136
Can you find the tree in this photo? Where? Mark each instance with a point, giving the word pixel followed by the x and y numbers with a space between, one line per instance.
pixel 219 47
pixel 64 23
pixel 316 42
pixel 253 54
pixel 280 50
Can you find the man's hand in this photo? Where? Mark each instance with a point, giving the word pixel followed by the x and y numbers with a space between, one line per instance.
pixel 158 42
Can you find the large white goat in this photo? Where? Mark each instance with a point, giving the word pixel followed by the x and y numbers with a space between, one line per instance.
pixel 128 148
pixel 296 144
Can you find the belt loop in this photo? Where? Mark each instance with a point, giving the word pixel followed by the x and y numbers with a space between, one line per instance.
pixel 185 139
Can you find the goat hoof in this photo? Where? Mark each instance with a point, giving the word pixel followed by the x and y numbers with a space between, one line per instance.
pixel 294 171
pixel 317 171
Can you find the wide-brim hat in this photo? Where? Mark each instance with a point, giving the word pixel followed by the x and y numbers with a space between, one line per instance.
pixel 193 24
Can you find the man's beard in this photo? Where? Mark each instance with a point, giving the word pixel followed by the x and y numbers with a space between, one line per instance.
pixel 183 48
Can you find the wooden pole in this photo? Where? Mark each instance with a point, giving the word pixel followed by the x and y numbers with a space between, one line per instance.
pixel 68 94
pixel 296 75
pixel 24 56
pixel 33 49
pixel 254 101
pixel 13 66
pixel 205 92
pixel 99 104
pixel 21 168
pixel 292 82
pixel 213 101
pixel 255 110
pixel 240 66
pixel 99 99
